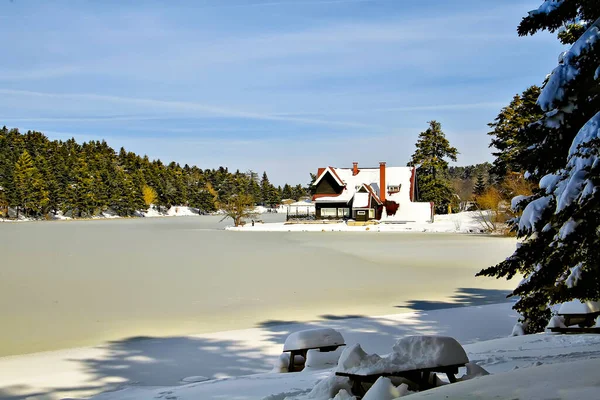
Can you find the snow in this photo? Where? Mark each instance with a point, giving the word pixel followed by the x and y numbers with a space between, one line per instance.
pixel 316 359
pixel 195 379
pixel 328 388
pixel 464 222
pixel 555 322
pixel 554 90
pixel 524 367
pixel 409 353
pixel 533 213
pixel 180 211
pixel 361 200
pixel 549 182
pixel 542 362
pixel 226 356
pixel 516 200
pixel 567 228
pixel 567 381
pixel 574 276
pixel 547 7
pixel 518 329
pixel 578 307
pixel 473 371
pixel 576 184
pixel 311 338
pixel 383 389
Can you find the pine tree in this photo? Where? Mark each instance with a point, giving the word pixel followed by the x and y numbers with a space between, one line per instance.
pixel 561 220
pixel 479 185
pixel 432 183
pixel 30 190
pixel 286 192
pixel 509 134
pixel 266 190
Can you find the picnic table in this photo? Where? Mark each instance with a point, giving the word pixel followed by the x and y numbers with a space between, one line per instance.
pixel 322 339
pixel 421 377
pixel 576 312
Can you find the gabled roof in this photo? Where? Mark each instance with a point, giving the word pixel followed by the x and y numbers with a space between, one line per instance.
pixel 331 170
pixel 369 178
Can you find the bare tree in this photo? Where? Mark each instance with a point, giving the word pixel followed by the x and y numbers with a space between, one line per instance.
pixel 238 207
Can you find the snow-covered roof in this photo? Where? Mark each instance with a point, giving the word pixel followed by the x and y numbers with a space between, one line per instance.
pixel 394 176
pixel 361 200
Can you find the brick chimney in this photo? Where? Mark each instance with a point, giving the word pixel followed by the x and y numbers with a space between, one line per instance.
pixel 382 185
pixel 354 168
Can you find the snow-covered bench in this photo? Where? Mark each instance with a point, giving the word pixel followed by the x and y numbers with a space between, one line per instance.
pixel 299 343
pixel 414 359
pixel 576 313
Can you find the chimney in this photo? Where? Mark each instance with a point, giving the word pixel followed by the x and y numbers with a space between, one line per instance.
pixel 354 168
pixel 382 185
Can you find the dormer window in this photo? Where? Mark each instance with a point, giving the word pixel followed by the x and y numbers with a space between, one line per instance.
pixel 393 189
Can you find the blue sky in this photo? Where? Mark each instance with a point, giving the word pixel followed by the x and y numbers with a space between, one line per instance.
pixel 284 86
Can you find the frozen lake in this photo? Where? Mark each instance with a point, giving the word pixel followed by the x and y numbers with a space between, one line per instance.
pixel 76 283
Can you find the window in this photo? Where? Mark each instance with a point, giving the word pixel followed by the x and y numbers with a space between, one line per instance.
pixel 371 213
pixel 393 188
pixel 343 212
pixel 328 212
pixel 361 212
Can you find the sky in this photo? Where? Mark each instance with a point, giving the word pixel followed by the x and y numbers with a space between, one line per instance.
pixel 283 86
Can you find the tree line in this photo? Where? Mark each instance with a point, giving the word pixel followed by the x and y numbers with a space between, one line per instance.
pixel 39 176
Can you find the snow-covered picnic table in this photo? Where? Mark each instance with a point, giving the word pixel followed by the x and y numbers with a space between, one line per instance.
pixel 321 339
pixel 575 312
pixel 415 360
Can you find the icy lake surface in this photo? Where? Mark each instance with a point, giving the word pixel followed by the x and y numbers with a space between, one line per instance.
pixel 66 284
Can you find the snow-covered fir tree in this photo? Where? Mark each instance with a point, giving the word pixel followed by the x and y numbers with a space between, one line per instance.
pixel 560 224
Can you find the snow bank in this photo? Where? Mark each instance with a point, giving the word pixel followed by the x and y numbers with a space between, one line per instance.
pixel 555 322
pixel 328 388
pixel 316 359
pixel 411 352
pixel 464 222
pixel 565 381
pixel 473 371
pixel 383 389
pixel 311 338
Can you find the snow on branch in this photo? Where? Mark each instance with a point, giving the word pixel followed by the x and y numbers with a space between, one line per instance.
pixel 576 184
pixel 547 7
pixel 567 70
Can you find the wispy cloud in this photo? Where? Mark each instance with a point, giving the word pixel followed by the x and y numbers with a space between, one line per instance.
pixel 293 3
pixel 184 106
pixel 37 73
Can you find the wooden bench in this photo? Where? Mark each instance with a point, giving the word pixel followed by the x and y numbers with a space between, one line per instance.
pixel 303 353
pixel 421 377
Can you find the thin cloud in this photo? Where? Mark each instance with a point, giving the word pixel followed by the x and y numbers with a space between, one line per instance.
pixel 40 73
pixel 294 3
pixel 184 106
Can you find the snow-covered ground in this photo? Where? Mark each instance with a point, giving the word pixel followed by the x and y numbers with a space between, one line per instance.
pixel 237 363
pixel 464 222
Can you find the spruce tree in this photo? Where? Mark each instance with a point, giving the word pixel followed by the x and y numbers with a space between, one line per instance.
pixel 510 134
pixel 560 221
pixel 266 190
pixel 429 158
pixel 479 185
pixel 31 193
